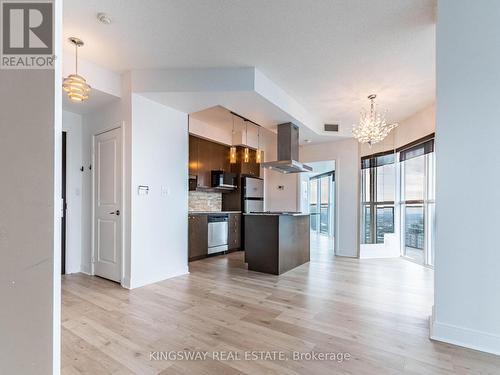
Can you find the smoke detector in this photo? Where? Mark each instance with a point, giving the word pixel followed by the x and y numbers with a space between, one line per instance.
pixel 103 18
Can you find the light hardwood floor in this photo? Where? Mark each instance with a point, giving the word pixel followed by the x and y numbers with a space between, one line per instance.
pixel 375 310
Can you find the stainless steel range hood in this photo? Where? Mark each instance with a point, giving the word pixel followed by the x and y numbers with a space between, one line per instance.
pixel 288 151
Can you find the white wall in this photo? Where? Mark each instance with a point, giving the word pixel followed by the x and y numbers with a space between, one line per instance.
pixel 72 124
pixel 210 131
pixel 99 78
pixel 347 175
pixel 155 154
pixel 391 247
pixel 417 126
pixel 30 149
pixel 159 219
pixel 467 261
pixel 285 199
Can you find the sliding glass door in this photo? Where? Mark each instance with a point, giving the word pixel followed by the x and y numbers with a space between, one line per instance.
pixel 313 204
pixel 418 202
pixel 321 202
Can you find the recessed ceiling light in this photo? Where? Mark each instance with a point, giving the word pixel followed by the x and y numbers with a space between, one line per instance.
pixel 103 18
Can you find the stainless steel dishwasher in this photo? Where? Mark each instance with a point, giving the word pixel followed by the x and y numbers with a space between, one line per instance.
pixel 217 233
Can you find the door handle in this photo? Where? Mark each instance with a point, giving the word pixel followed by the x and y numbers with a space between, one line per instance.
pixel 117 213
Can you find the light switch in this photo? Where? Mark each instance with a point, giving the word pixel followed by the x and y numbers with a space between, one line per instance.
pixel 165 191
pixel 143 190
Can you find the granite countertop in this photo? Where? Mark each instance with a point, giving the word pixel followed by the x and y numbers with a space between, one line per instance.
pixel 212 212
pixel 275 214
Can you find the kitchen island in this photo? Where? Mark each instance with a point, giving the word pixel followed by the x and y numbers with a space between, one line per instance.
pixel 276 242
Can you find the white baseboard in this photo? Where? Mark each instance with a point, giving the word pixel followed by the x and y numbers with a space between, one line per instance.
pixel 86 270
pixel 126 283
pixel 461 336
pixel 132 284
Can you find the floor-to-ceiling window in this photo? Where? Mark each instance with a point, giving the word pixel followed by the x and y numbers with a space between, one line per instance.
pixel 417 172
pixel 378 196
pixel 321 201
pixel 398 196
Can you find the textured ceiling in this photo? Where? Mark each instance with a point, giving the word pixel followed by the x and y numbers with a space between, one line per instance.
pixel 327 54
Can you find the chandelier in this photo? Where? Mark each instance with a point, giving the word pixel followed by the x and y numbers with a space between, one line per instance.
pixel 75 85
pixel 372 127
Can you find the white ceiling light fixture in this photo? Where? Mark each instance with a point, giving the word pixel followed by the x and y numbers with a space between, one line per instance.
pixel 373 126
pixel 75 85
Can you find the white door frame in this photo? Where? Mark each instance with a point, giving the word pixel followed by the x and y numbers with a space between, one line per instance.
pixel 93 248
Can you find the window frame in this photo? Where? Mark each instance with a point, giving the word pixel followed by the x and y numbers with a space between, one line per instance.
pixel 427 145
pixel 371 163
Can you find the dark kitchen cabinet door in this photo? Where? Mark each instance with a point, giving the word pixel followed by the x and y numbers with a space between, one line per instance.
pixel 234 240
pixel 204 163
pixel 198 236
pixel 193 156
pixel 204 157
pixel 219 157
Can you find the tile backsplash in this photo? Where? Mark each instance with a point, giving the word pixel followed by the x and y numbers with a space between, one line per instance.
pixel 204 201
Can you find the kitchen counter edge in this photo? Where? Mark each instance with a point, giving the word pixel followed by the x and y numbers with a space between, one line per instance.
pixel 212 212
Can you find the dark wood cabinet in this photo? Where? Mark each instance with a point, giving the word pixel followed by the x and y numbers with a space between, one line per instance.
pixel 204 163
pixel 204 157
pixel 234 232
pixel 197 236
pixel 193 156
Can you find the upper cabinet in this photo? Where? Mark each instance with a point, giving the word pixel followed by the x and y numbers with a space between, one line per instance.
pixel 204 157
pixel 193 156
pixel 245 133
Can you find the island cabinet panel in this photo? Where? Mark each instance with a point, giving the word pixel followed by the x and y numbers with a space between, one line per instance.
pixel 281 244
pixel 197 236
pixel 261 251
pixel 294 246
pixel 234 240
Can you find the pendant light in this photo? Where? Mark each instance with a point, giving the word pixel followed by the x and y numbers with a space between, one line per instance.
pixel 258 156
pixel 373 126
pixel 75 85
pixel 246 151
pixel 232 149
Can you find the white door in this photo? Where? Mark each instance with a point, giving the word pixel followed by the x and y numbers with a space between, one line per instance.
pixel 107 205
